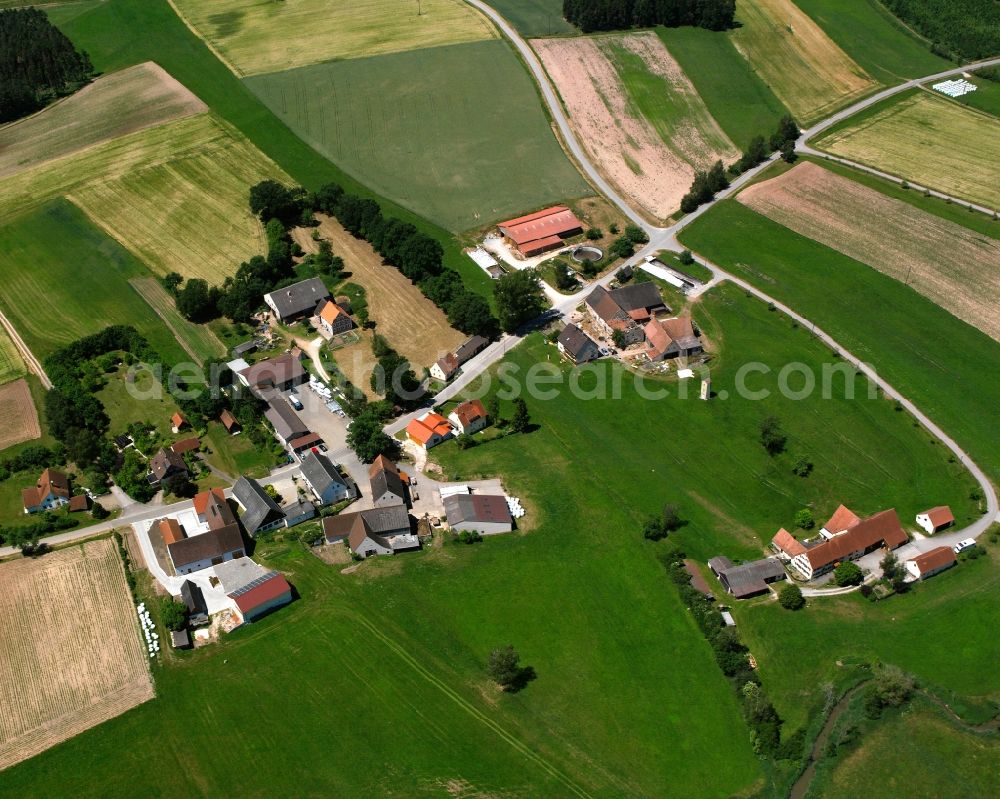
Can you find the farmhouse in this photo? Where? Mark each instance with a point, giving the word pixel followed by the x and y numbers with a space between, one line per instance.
pixel 323 479
pixel 444 369
pixel 334 319
pixel 378 531
pixel 178 422
pixel 51 491
pixel 929 563
pixel 222 540
pixel 282 373
pixel 254 590
pixel 843 519
pixel 260 512
pixel 483 513
pixel 469 417
pixel 286 423
pixel 747 579
pixel 297 300
pixel 786 545
pixel 429 430
pixel 576 345
pixel 388 487
pixel 229 422
pixel 671 338
pixel 626 309
pixel 936 519
pixel 165 465
pixel 541 231
pixel 881 530
pixel 194 601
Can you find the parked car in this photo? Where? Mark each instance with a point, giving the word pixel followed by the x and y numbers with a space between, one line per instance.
pixel 961 546
pixel 295 401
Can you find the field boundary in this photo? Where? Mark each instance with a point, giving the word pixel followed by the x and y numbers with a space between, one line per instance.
pixel 231 67
pixel 26 354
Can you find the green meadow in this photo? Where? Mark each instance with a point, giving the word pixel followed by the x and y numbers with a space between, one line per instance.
pixel 534 17
pixel 879 320
pixel 456 133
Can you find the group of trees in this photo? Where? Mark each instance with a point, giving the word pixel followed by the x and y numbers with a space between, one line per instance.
pixel 609 15
pixel 959 29
pixel 365 435
pixel 624 246
pixel 519 298
pixel 772 436
pixel 668 521
pixel 704 187
pixel 37 63
pixel 393 377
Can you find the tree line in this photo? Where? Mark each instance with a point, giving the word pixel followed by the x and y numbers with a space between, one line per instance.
pixel 37 63
pixel 609 15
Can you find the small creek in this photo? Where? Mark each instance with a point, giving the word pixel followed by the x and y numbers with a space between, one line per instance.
pixel 801 786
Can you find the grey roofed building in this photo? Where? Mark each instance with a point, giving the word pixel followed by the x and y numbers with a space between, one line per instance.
pixel 486 514
pixel 285 421
pixel 635 296
pixel 386 484
pixel 298 511
pixel 384 520
pixel 284 372
pixel 194 601
pixel 747 579
pixel 179 639
pixel 238 573
pixel 206 547
pixel 167 463
pixel 324 479
pixel 297 299
pixel 469 348
pixel 577 345
pixel 259 510
pixel 242 349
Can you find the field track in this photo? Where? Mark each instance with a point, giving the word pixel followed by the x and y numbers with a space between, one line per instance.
pixel 19 415
pixel 23 351
pixel 71 653
pixel 951 265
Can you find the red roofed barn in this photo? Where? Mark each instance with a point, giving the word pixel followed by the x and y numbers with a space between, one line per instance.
pixel 541 231
pixel 936 519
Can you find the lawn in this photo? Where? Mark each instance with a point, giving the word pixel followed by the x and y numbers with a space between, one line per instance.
pixel 803 66
pixel 144 400
pixel 948 263
pixel 198 341
pixel 798 652
pixel 235 455
pixel 85 287
pixel 875 317
pixel 255 37
pixel 875 39
pixel 113 105
pixel 11 365
pixel 535 17
pixel 742 104
pixel 928 140
pixel 455 133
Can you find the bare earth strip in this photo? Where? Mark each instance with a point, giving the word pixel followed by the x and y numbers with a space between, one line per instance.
pixel 653 168
pixel 18 414
pixel 803 66
pixel 955 267
pixel 410 322
pixel 70 653
pixel 113 105
pixel 931 141
pixel 199 341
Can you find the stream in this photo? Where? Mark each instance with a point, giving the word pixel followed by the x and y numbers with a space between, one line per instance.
pixel 801 786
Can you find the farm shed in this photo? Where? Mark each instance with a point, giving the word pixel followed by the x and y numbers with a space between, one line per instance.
pixel 487 514
pixel 298 300
pixel 541 231
pixel 253 589
pixel 747 579
pixel 936 519
pixel 931 562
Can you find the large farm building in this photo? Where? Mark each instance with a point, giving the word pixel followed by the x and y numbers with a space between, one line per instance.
pixel 541 231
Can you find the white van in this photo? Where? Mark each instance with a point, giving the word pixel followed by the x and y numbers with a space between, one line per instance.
pixel 963 545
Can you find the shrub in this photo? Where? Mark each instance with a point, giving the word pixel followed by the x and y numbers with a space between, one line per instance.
pixel 772 437
pixel 790 597
pixel 848 573
pixel 804 519
pixel 470 537
pixel 803 467
pixel 594 233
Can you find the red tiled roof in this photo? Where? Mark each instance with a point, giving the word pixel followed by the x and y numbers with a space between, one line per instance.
pixel 540 245
pixel 331 311
pixel 302 442
pixel 261 594
pixel 178 419
pixel 186 445
pixel 940 516
pixel 78 503
pixel 171 531
pixel 935 559
pixel 202 497
pixel 49 482
pixel 423 430
pixel 227 419
pixel 787 543
pixel 382 464
pixel 881 528
pixel 470 411
pixel 542 228
pixel 843 519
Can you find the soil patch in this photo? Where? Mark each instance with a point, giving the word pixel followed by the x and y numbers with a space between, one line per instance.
pixel 17 410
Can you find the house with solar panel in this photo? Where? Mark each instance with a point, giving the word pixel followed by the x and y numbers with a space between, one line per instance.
pixel 253 590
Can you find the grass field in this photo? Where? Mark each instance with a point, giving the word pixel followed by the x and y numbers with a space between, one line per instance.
pixel 421 333
pixel 920 754
pixel 637 114
pixel 141 401
pixel 878 319
pixel 86 282
pixel 874 38
pixel 798 652
pixel 198 341
pixel 11 364
pixel 803 66
pixel 985 98
pixel 534 17
pixel 113 105
pixel 928 140
pixel 947 263
pixel 20 418
pixel 72 656
pixel 255 37
pixel 736 97
pixel 235 455
pixel 455 133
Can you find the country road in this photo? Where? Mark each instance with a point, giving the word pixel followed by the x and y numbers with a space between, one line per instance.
pixel 29 358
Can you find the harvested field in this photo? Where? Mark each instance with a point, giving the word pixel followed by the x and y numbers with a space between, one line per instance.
pixel 255 37
pixel 113 105
pixel 11 364
pixel 199 341
pixel 802 65
pixel 71 653
pixel 412 324
pixel 20 417
pixel 947 263
pixel 637 114
pixel 929 140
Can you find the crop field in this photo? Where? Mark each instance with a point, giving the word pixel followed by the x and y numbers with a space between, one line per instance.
pixel 877 318
pixel 930 141
pixel 742 104
pixel 535 17
pixel 11 364
pixel 72 657
pixel 876 41
pixel 947 263
pixel 454 133
pixel 113 105
pixel 20 417
pixel 637 114
pixel 255 37
pixel 421 333
pixel 86 282
pixel 803 66
pixel 199 341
